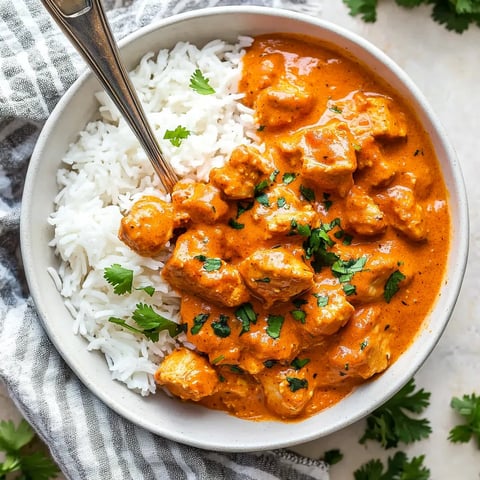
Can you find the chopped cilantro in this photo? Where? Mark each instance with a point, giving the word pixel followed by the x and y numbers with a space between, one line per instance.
pixel 349 289
pixel 209 264
pixel 322 300
pixel 288 177
pixel 246 315
pixel 281 202
pixel 344 270
pixel 274 325
pixel 299 315
pixel 298 363
pixel 198 322
pixel 269 363
pixel 235 225
pixel 221 328
pixel 262 199
pixel 307 193
pixel 262 280
pixel 296 383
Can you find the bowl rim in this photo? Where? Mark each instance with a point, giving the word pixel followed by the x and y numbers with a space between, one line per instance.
pixel 398 378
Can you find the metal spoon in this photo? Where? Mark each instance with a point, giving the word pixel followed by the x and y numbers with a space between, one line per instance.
pixel 85 24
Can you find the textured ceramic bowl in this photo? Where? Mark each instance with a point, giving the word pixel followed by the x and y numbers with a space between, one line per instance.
pixel 187 423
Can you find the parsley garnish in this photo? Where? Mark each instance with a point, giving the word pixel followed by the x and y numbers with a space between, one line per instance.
pixel 274 325
pixel 399 467
pixel 176 136
pixel 198 322
pixel 246 315
pixel 209 264
pixel 221 328
pixel 200 84
pixel 32 466
pixel 296 383
pixel 392 285
pixel 468 407
pixel 150 323
pixel 121 278
pixel 390 424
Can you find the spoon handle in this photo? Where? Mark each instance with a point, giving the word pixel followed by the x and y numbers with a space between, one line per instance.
pixel 85 24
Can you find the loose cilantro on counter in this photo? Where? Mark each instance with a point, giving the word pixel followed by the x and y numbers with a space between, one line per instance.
pixel 456 15
pixel 32 466
pixel 399 467
pixel 332 456
pixel 468 407
pixel 390 424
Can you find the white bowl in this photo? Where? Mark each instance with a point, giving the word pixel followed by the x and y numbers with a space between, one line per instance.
pixel 183 422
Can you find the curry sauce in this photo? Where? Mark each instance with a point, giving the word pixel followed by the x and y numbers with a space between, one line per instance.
pixel 308 262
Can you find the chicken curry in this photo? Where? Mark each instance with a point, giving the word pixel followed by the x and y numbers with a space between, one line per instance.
pixel 305 265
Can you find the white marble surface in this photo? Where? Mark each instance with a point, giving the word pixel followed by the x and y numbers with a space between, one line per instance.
pixel 446 67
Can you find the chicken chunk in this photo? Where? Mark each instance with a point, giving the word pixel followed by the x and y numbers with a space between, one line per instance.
pixel 187 375
pixel 200 202
pixel 362 347
pixel 285 212
pixel 326 309
pixel 287 391
pixel 362 215
pixel 370 281
pixel 191 269
pixel 275 275
pixel 148 226
pixel 327 155
pixel 282 104
pixel 403 212
pixel 374 168
pixel 244 170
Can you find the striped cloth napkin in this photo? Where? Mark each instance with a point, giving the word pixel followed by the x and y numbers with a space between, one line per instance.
pixel 86 438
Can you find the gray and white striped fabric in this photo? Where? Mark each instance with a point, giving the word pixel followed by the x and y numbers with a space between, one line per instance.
pixel 87 439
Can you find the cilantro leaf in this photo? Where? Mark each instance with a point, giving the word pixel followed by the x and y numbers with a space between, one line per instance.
pixel 176 136
pixel 221 328
pixel 468 407
pixel 366 8
pixel 344 270
pixel 399 467
pixel 246 315
pixel 150 322
pixel 34 466
pixel 274 325
pixel 332 456
pixel 148 289
pixel 298 363
pixel 392 285
pixel 209 264
pixel 296 383
pixel 390 424
pixel 121 278
pixel 200 84
pixel 198 322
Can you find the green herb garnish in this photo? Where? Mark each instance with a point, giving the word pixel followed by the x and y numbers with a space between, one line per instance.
pixel 468 407
pixel 274 325
pixel 392 285
pixel 296 383
pixel 221 328
pixel 246 315
pixel 209 264
pixel 200 84
pixel 198 322
pixel 121 278
pixel 176 136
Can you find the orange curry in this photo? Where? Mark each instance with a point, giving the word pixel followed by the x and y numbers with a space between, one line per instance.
pixel 305 266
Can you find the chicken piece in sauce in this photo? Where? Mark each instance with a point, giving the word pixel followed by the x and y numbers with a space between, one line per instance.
pixel 239 177
pixel 187 375
pixel 148 226
pixel 276 275
pixel 196 267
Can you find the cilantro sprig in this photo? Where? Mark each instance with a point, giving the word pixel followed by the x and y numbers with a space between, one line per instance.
pixel 468 407
pixel 455 15
pixel 150 323
pixel 33 466
pixel 200 84
pixel 120 278
pixel 399 467
pixel 177 135
pixel 391 424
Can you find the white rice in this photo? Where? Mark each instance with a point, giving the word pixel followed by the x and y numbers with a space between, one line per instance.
pixel 106 170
